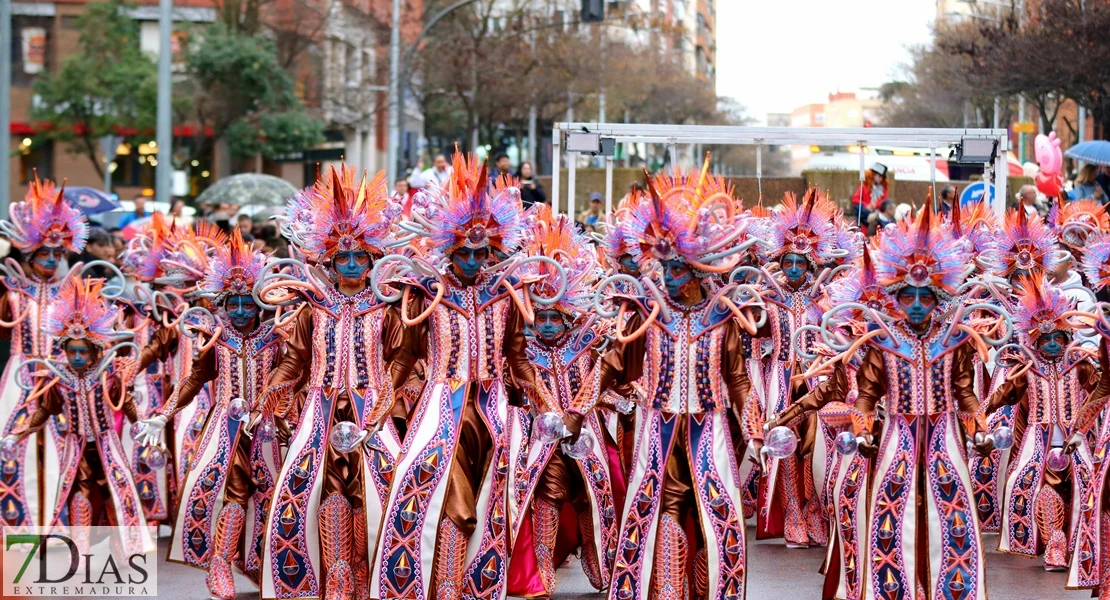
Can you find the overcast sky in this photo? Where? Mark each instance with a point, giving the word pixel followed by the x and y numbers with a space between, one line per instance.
pixel 776 55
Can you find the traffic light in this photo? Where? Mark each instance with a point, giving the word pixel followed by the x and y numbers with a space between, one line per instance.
pixel 593 11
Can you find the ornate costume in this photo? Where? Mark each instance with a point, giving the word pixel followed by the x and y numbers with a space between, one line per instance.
pixel 1052 391
pixel 42 221
pixel 550 479
pixel 183 267
pixel 95 483
pixel 920 535
pixel 328 501
pixel 225 496
pixel 1023 246
pixel 693 373
pixel 142 309
pixel 455 484
pixel 814 230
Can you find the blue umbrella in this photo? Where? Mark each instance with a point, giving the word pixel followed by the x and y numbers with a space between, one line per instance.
pixel 1095 152
pixel 91 201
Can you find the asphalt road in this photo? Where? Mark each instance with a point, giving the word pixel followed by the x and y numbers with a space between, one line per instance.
pixel 776 573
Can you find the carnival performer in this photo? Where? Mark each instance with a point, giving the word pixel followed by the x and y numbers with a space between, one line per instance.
pixel 347 352
pixel 686 345
pixel 142 308
pixel 79 396
pixel 228 489
pixel 617 254
pixel 844 492
pixel 1089 542
pixel 183 268
pixel 565 343
pixel 455 483
pixel 1052 379
pixel 921 532
pixel 1025 246
pixel 802 238
pixel 44 228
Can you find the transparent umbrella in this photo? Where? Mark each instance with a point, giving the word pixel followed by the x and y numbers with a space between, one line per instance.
pixel 252 192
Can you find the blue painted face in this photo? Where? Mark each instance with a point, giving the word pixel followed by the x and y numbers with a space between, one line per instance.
pixel 629 265
pixel 468 262
pixel 549 325
pixel 353 264
pixel 1052 344
pixel 676 276
pixel 794 267
pixel 45 261
pixel 918 303
pixel 242 311
pixel 79 354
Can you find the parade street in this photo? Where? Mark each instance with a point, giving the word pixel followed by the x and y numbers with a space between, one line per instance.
pixel 777 573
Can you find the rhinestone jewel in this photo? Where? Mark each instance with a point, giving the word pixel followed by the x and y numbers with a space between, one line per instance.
pixel 663 247
pixel 477 234
pixel 918 275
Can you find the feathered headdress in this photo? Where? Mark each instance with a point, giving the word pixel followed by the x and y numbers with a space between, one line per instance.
pixel 615 241
pixel 234 270
pixel 807 229
pixel 342 213
pixel 981 226
pixel 45 220
pixel 469 212
pixel 920 251
pixel 861 287
pixel 1075 221
pixel 145 251
pixel 1096 261
pixel 688 216
pixel 848 242
pixel 1025 243
pixel 186 263
pixel 1040 308
pixel 559 238
pixel 81 312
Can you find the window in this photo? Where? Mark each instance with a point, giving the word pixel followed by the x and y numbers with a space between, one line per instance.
pixel 354 66
pixel 35 157
pixel 134 166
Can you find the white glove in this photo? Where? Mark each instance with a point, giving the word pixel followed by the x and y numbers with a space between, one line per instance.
pixel 152 430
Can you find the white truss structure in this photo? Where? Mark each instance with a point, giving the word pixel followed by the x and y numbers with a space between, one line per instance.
pixel 674 135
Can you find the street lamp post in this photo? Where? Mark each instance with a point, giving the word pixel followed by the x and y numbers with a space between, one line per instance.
pixel 398 76
pixel 5 103
pixel 394 94
pixel 164 135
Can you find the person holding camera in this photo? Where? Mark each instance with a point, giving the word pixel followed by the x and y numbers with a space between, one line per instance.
pixel 531 190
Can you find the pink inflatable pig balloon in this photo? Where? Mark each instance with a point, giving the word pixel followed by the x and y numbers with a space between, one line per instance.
pixel 1049 155
pixel 1049 181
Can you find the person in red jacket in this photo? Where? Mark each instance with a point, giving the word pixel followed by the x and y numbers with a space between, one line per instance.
pixel 869 197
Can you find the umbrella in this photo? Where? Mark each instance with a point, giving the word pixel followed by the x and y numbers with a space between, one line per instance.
pixel 1095 152
pixel 91 201
pixel 249 189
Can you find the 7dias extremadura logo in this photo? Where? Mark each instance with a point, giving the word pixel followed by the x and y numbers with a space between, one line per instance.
pixel 113 562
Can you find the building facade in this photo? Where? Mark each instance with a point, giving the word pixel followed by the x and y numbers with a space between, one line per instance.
pixel 335 50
